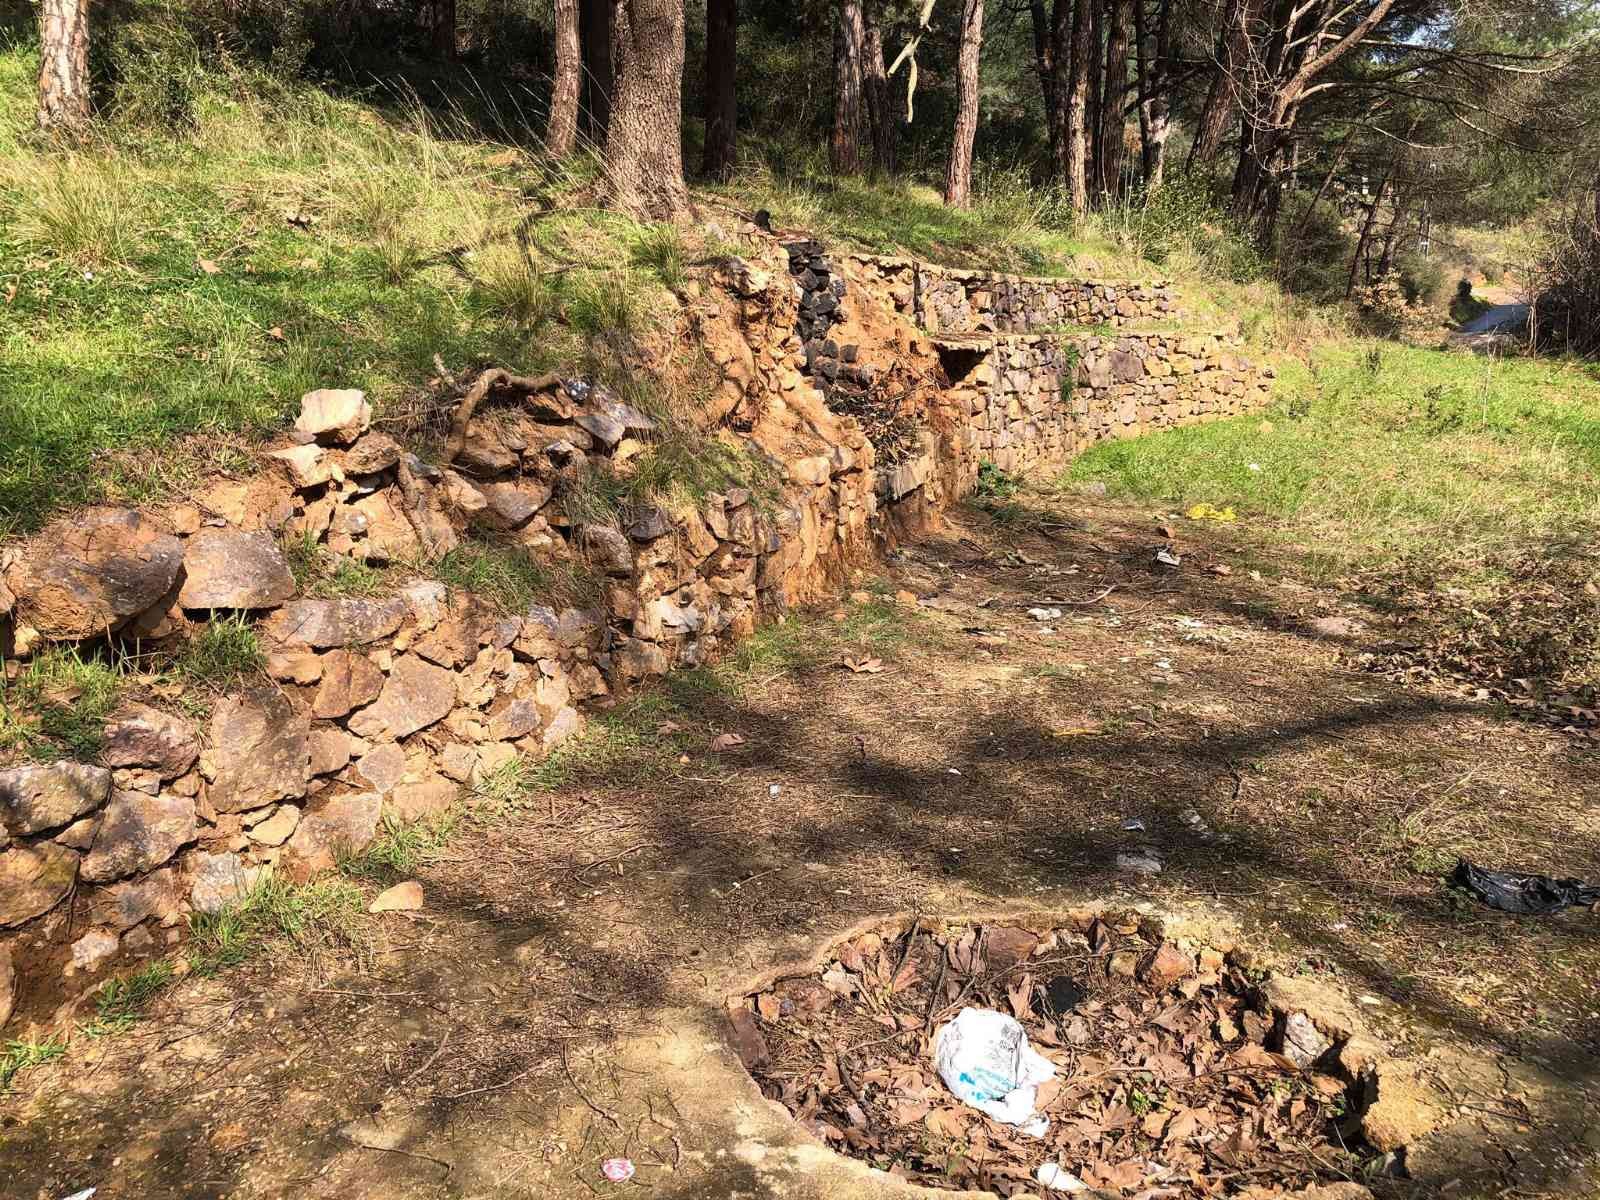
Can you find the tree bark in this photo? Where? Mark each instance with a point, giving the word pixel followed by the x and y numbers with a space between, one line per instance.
pixel 722 114
pixel 1114 100
pixel 562 132
pixel 1365 239
pixel 596 21
pixel 444 29
pixel 1074 106
pixel 644 142
pixel 1154 63
pixel 1044 61
pixel 1222 97
pixel 958 175
pixel 1095 67
pixel 63 65
pixel 881 119
pixel 844 151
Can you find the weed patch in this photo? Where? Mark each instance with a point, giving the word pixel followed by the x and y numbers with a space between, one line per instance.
pixel 20 1056
pixel 121 1001
pixel 223 651
pixel 57 707
pixel 318 920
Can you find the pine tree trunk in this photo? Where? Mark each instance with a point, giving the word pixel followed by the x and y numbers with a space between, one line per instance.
pixel 1114 100
pixel 644 142
pixel 844 150
pixel 881 117
pixel 722 114
pixel 1044 61
pixel 562 132
pixel 444 29
pixel 1074 105
pixel 1222 97
pixel 1155 121
pixel 63 64
pixel 596 20
pixel 958 175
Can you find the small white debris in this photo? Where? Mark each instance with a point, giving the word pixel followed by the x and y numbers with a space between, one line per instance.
pixel 1058 1178
pixel 1255 466
pixel 1045 614
pixel 1167 558
pixel 1134 824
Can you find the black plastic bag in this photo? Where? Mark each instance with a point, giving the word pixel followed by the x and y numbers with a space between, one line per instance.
pixel 1530 895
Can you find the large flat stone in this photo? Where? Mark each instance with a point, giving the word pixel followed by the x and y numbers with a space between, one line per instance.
pixel 228 568
pixel 260 751
pixel 33 880
pixel 123 905
pixel 141 736
pixel 324 624
pixel 416 695
pixel 338 415
pixel 36 798
pixel 349 680
pixel 90 574
pixel 331 828
pixel 219 880
pixel 138 833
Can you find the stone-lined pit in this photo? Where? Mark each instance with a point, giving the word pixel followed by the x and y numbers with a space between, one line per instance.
pixel 1181 1068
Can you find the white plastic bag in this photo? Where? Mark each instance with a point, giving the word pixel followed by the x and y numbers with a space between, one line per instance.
pixel 984 1058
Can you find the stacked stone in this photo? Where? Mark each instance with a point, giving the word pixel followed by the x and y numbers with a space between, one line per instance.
pixel 821 293
pixel 1015 412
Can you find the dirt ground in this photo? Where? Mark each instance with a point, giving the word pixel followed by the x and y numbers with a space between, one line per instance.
pixel 555 1003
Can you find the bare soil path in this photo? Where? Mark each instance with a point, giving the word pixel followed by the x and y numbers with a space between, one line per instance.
pixel 554 1004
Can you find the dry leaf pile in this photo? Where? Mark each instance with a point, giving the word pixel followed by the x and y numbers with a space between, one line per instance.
pixel 1165 1086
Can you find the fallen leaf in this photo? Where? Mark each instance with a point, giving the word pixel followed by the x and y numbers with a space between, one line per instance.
pixel 1220 569
pixel 276 334
pixel 206 265
pixel 769 1006
pixel 668 727
pixel 864 666
pixel 946 1122
pixel 11 292
pixel 726 741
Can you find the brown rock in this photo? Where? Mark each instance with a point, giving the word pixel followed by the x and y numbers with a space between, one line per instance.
pixel 509 505
pixel 8 985
pixel 80 834
pixel 330 750
pixel 402 897
pixel 36 798
pixel 416 695
pixel 259 750
pixel 383 767
pixel 306 466
pixel 1328 1008
pixel 1406 1110
pixel 1165 966
pixel 1124 963
pixel 33 880
pixel 277 828
pixel 219 880
pixel 606 548
pixel 94 948
pixel 390 536
pixel 141 736
pixel 295 666
pixel 517 718
pixel 349 680
pixel 1006 945
pixel 139 832
pixel 747 1039
pixel 373 452
pixel 338 415
pixel 331 828
pixel 227 568
pixel 427 798
pixel 90 574
pixel 123 905
pixel 323 624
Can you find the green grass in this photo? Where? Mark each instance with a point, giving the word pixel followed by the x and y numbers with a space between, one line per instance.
pixel 511 578
pixel 315 919
pixel 19 1056
pixel 58 705
pixel 1379 454
pixel 224 650
pixel 200 283
pixel 319 572
pixel 402 849
pixel 121 1001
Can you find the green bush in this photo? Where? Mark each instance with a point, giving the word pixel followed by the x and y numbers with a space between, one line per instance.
pixel 1183 216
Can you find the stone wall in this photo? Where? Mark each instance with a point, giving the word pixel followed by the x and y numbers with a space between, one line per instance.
pixel 945 300
pixel 1029 401
pixel 397 705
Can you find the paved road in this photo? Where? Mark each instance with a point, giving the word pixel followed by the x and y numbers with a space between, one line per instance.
pixel 1502 318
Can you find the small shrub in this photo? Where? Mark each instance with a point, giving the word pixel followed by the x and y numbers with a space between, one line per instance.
pixel 223 651
pixel 994 483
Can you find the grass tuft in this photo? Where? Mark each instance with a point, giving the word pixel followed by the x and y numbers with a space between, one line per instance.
pixel 20 1056
pixel 223 651
pixel 402 849
pixel 57 706
pixel 316 919
pixel 121 1001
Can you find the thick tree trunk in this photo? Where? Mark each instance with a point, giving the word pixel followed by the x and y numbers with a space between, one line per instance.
pixel 596 21
pixel 444 29
pixel 63 64
pixel 1114 100
pixel 1096 69
pixel 1155 122
pixel 1074 109
pixel 844 151
pixel 881 119
pixel 644 143
pixel 958 175
pixel 1044 61
pixel 1222 97
pixel 562 132
pixel 722 114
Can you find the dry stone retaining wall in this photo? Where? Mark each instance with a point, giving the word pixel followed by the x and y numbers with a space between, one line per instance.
pixel 393 705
